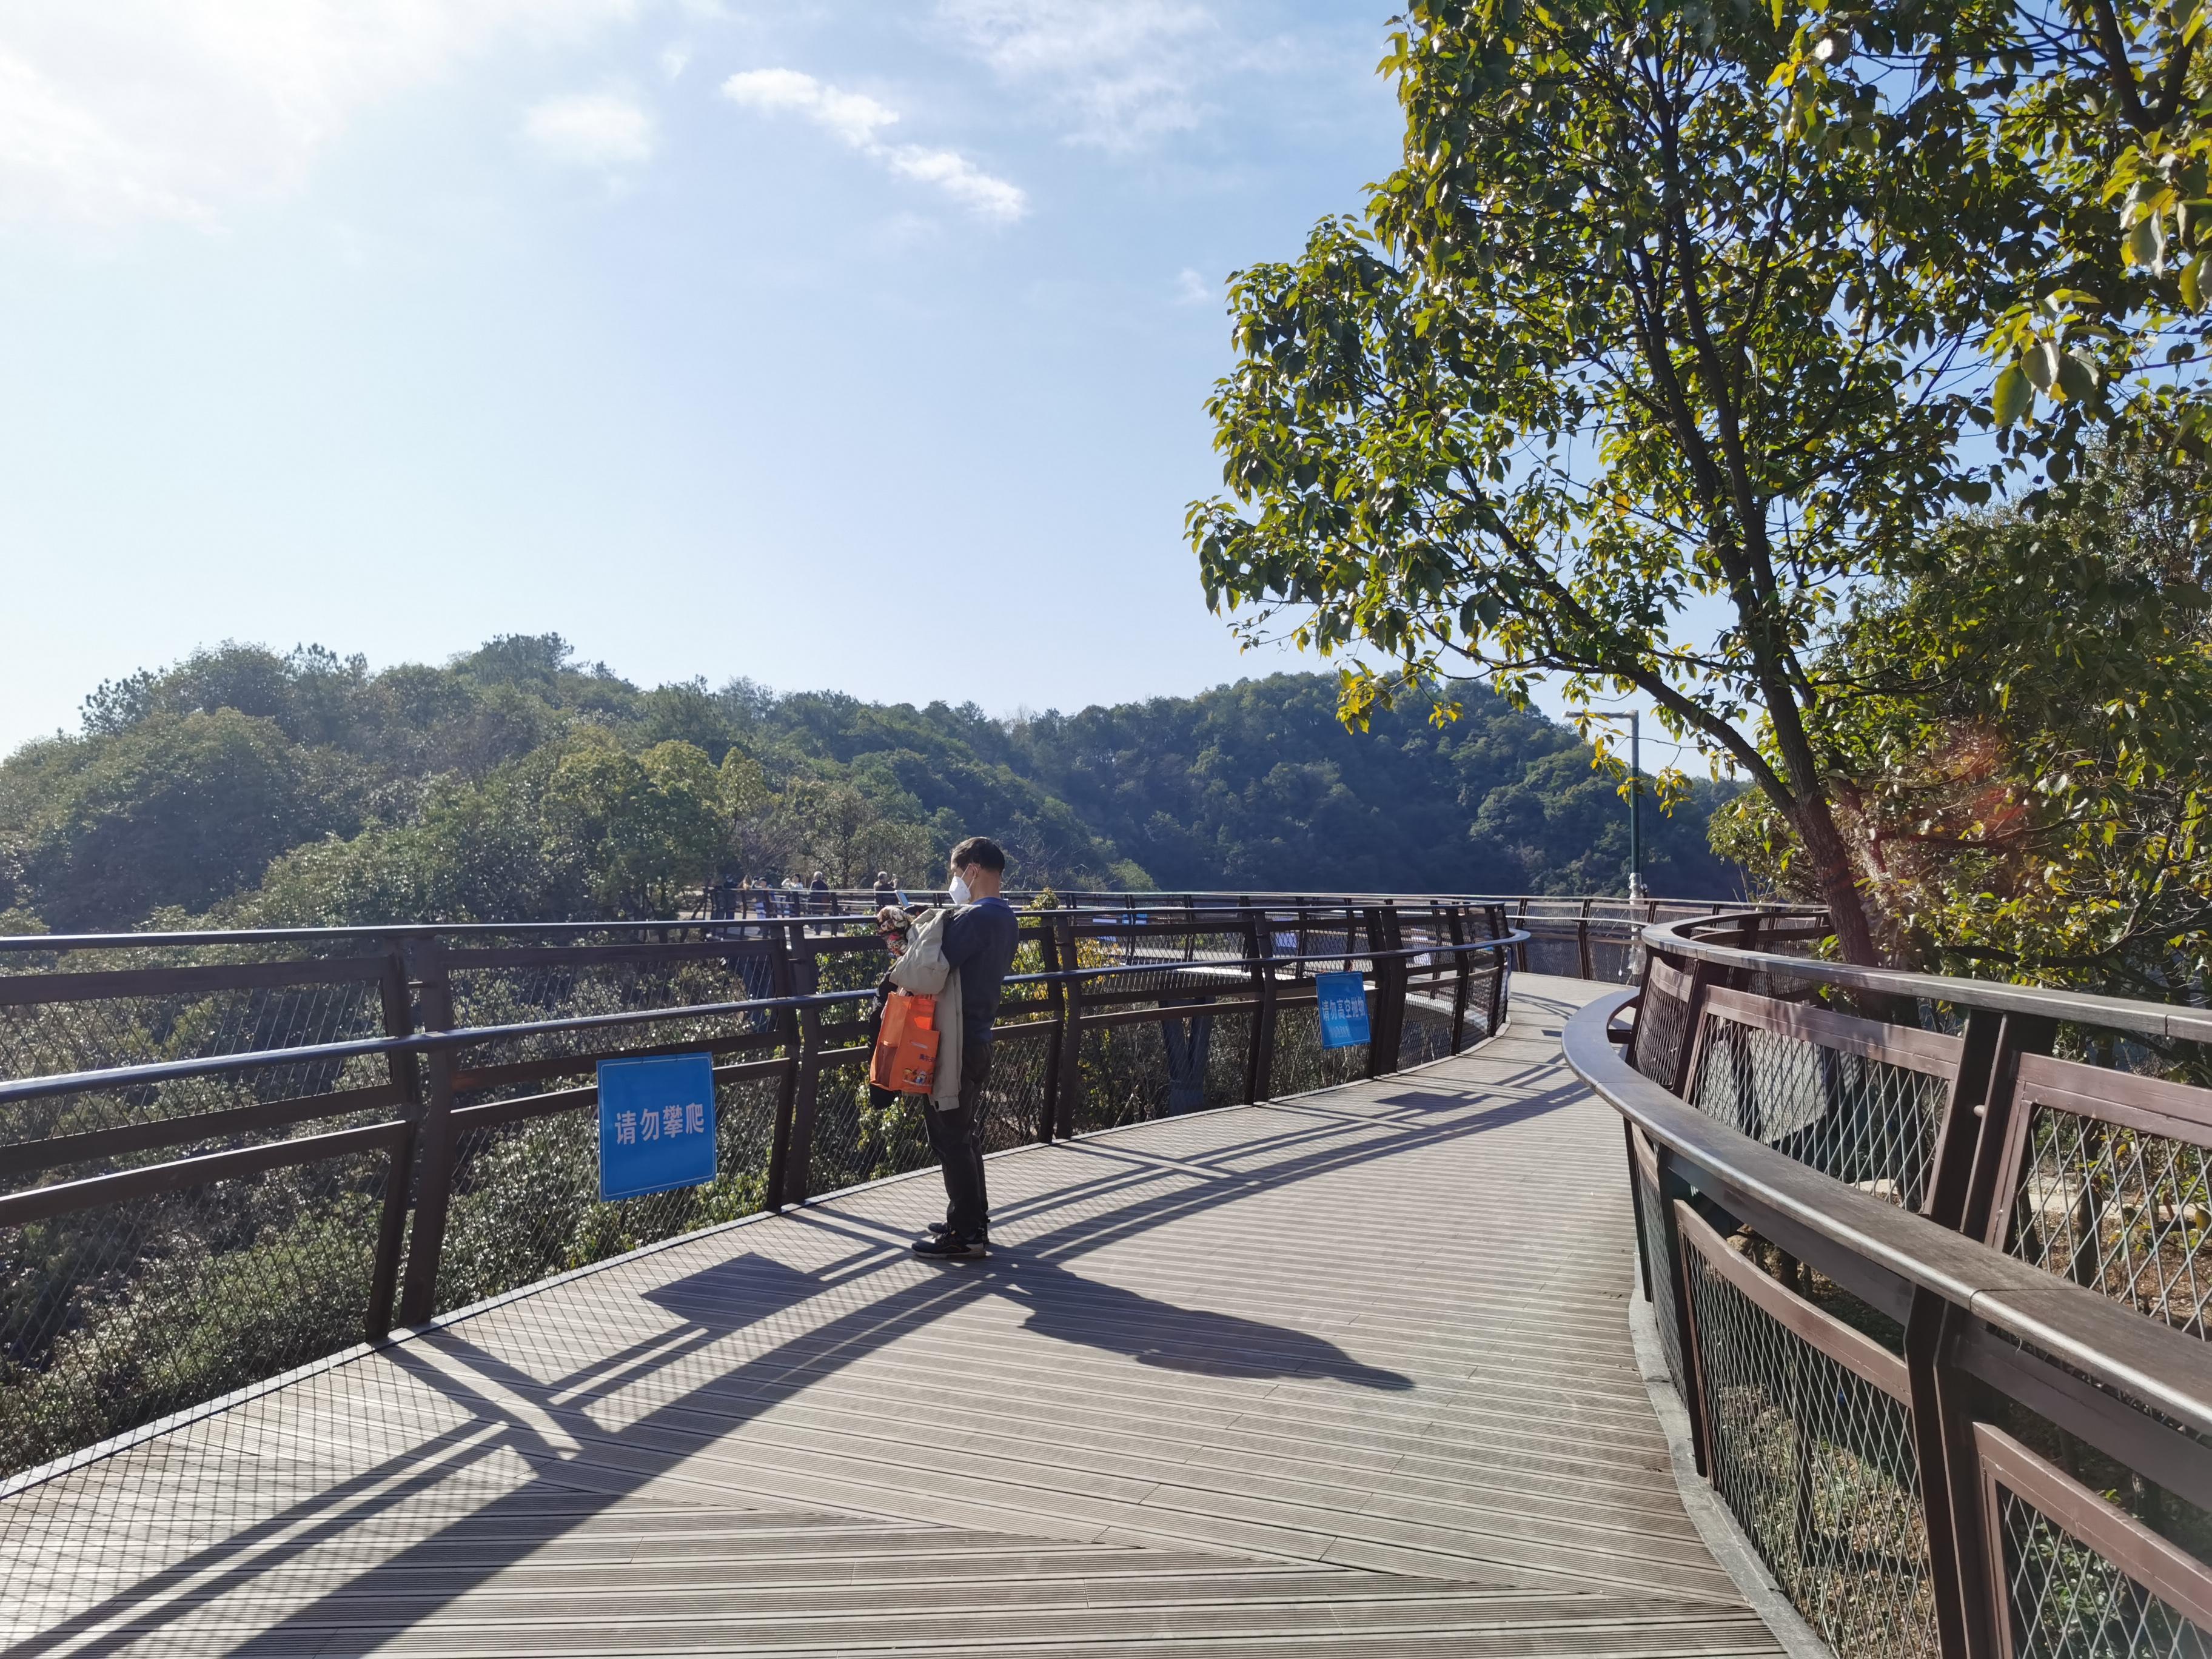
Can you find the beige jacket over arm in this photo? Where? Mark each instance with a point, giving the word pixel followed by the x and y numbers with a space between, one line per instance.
pixel 922 969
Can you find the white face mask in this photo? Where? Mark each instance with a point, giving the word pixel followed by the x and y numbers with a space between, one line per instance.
pixel 959 890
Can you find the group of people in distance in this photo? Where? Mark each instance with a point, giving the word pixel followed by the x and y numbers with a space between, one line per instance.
pixel 736 898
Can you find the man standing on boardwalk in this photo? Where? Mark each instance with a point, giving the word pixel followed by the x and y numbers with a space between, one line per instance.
pixel 979 947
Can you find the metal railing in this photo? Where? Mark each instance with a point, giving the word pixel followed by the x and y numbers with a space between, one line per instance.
pixel 1583 938
pixel 1933 1287
pixel 227 1156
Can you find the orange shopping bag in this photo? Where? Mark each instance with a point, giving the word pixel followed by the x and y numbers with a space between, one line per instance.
pixel 906 1046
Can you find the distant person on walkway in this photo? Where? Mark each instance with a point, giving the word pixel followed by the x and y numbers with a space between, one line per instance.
pixel 886 891
pixel 979 947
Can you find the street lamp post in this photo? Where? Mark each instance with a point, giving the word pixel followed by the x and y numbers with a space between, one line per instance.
pixel 1635 718
pixel 1636 806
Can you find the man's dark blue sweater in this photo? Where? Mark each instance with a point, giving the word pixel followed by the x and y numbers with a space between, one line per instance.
pixel 980 943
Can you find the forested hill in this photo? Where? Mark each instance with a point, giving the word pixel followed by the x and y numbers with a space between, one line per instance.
pixel 517 782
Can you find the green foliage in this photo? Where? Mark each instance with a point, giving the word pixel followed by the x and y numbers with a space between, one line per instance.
pixel 1670 313
pixel 2113 98
pixel 2026 769
pixel 240 1285
pixel 640 827
pixel 175 809
pixel 514 785
pixel 1259 786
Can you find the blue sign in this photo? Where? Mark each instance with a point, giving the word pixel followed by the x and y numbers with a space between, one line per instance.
pixel 1343 1009
pixel 656 1124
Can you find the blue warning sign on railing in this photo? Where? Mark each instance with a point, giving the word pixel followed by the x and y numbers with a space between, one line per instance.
pixel 1343 1010
pixel 656 1124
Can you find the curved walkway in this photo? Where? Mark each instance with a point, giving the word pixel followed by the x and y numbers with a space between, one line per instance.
pixel 1350 1372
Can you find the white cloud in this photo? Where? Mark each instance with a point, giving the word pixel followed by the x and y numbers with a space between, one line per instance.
pixel 855 119
pixel 852 116
pixel 1191 289
pixel 960 178
pixel 675 59
pixel 1124 71
pixel 182 109
pixel 591 130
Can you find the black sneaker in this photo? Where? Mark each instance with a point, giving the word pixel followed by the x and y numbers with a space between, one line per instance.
pixel 943 1227
pixel 949 1247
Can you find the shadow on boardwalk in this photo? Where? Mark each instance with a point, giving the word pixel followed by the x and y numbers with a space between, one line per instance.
pixel 544 1422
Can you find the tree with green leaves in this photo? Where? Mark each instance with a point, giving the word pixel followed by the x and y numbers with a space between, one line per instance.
pixel 646 828
pixel 1667 332
pixel 2030 756
pixel 2114 99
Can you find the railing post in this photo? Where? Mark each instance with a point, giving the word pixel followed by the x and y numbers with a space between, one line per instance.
pixel 406 1076
pixel 1636 1211
pixel 1583 943
pixel 1498 962
pixel 1400 982
pixel 1386 1029
pixel 1055 998
pixel 1689 1385
pixel 806 1086
pixel 1463 973
pixel 781 981
pixel 1963 1122
pixel 1260 1061
pixel 1950 1481
pixel 1520 951
pixel 434 1149
pixel 1962 1194
pixel 2021 1034
pixel 806 1074
pixel 1067 1097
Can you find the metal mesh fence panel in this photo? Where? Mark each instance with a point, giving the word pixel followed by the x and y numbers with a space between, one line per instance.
pixel 1859 1120
pixel 1662 1024
pixel 1427 1036
pixel 1816 1464
pixel 526 1202
pixel 1549 952
pixel 1301 1062
pixel 1613 956
pixel 2065 1600
pixel 1480 982
pixel 2121 1210
pixel 113 1316
pixel 1013 1097
pixel 856 1140
pixel 556 990
pixel 1661 1272
pixel 44 1039
pixel 1135 1073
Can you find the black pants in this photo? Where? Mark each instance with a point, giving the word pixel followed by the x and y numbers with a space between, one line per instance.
pixel 954 1138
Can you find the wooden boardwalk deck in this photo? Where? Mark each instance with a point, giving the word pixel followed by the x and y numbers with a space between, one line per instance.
pixel 1348 1373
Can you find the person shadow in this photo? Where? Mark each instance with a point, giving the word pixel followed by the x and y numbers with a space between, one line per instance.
pixel 1090 1313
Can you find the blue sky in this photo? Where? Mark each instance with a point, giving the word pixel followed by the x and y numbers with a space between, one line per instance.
pixel 721 339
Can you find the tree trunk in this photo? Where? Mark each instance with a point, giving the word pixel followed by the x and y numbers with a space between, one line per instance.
pixel 1838 879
